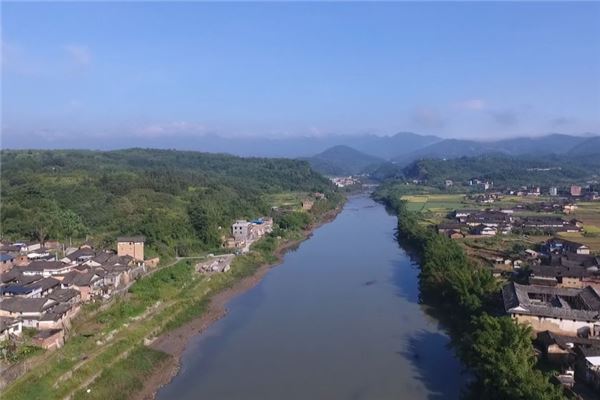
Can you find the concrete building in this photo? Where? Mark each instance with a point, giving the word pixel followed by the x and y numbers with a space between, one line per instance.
pixel 553 191
pixel 241 230
pixel 132 246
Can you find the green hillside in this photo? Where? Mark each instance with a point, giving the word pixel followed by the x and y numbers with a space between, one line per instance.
pixel 181 201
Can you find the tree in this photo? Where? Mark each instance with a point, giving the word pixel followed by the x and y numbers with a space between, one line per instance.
pixel 204 223
pixel 500 353
pixel 69 224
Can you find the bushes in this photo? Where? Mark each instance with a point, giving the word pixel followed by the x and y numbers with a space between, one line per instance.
pixel 293 220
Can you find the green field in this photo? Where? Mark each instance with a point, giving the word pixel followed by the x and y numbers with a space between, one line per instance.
pixel 437 203
pixel 286 199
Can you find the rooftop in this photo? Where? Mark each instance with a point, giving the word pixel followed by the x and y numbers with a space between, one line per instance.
pixel 579 304
pixel 135 239
pixel 26 305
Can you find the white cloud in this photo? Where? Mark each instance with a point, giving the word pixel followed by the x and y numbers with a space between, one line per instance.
pixel 80 55
pixel 472 104
pixel 174 128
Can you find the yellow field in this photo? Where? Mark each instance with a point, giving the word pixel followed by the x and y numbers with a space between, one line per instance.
pixel 436 203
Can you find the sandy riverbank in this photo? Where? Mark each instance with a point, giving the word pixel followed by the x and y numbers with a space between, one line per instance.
pixel 176 341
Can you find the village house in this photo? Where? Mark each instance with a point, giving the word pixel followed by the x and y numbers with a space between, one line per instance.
pixel 68 296
pixel 563 311
pixel 50 339
pixel 562 246
pixel 572 353
pixel 307 204
pixel 557 349
pixel 6 262
pixel 485 230
pixel 46 268
pixel 448 226
pixel 16 290
pixel 491 219
pixel 80 255
pixel 575 190
pixel 132 246
pixel 455 234
pixel 9 328
pixel 569 208
pixel 562 276
pixel 344 181
pixel 28 310
pixel 45 285
pixel 59 317
pixel 17 277
pixel 261 227
pixel 42 254
pixel 89 283
pixel 464 213
pixel 587 365
pixel 542 222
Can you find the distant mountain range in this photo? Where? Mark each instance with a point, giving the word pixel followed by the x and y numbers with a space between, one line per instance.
pixel 343 154
pixel 588 147
pixel 453 148
pixel 385 156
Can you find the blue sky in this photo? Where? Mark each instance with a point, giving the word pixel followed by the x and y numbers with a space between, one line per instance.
pixel 477 70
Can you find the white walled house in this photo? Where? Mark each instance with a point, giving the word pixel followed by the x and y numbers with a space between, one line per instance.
pixel 565 311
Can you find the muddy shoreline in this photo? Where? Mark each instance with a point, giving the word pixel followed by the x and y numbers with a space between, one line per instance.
pixel 175 342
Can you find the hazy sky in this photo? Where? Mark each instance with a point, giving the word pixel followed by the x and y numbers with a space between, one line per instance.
pixel 476 70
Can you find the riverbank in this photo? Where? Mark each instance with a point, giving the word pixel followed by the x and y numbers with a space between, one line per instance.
pixel 174 342
pixel 338 318
pixel 497 351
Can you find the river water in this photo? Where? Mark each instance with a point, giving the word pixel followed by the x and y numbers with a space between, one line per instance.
pixel 338 319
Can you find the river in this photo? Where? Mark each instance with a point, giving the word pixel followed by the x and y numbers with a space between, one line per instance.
pixel 338 319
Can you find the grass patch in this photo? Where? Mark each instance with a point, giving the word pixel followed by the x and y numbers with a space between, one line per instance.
pixel 126 376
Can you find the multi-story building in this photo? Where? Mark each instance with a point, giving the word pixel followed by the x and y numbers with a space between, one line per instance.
pixel 132 246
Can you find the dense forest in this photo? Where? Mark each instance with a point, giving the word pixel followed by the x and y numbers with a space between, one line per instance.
pixel 496 350
pixel 181 201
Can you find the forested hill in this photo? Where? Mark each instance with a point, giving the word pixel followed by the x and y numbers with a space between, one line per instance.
pixel 178 199
pixel 342 160
pixel 547 170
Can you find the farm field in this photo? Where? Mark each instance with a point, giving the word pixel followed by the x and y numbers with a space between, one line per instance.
pixel 593 242
pixel 436 202
pixel 286 199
